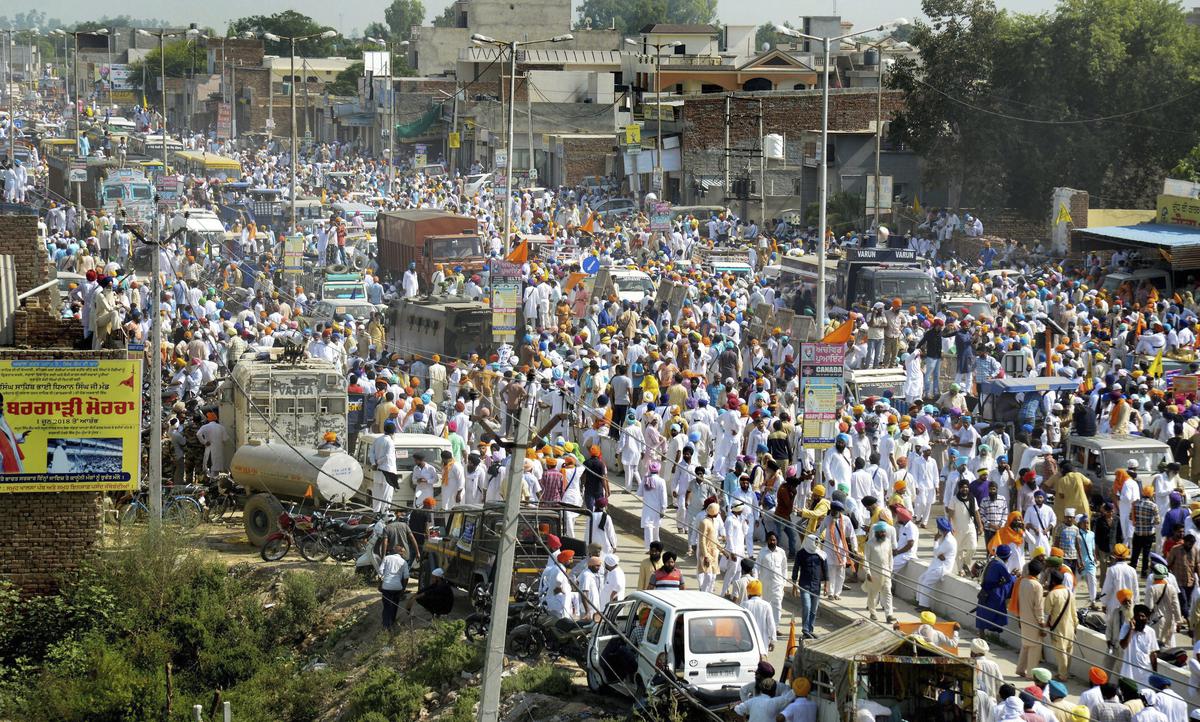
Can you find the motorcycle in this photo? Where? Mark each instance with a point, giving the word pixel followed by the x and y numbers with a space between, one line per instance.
pixel 341 539
pixel 368 562
pixel 293 528
pixel 521 610
pixel 545 633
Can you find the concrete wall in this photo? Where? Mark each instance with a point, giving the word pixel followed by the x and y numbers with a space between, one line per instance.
pixel 791 114
pixel 519 19
pixel 572 86
pixel 954 599
pixel 434 51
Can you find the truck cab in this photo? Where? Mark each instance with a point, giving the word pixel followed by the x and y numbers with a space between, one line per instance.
pixel 128 190
pixel 1098 458
pixel 868 275
pixel 407 446
pixel 1160 278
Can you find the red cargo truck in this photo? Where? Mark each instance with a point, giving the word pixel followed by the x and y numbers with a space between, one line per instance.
pixel 428 237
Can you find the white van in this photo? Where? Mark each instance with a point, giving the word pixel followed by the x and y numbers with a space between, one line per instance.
pixel 708 643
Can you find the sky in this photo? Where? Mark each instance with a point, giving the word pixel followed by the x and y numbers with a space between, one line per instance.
pixel 347 17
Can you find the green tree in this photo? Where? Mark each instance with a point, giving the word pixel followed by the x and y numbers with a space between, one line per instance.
pixel 630 16
pixel 766 35
pixel 180 59
pixel 402 15
pixel 346 82
pixel 377 30
pixel 288 23
pixel 1188 167
pixel 1096 95
pixel 447 19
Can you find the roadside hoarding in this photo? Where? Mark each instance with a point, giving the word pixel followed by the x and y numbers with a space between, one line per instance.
pixel 660 217
pixel 506 300
pixel 822 368
pixel 70 425
pixel 224 120
pixel 1177 211
pixel 293 255
pixel 77 173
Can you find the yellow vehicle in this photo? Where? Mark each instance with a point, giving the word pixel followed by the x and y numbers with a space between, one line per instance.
pixel 57 146
pixel 206 165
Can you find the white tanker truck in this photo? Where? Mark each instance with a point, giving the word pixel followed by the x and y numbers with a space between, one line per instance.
pixel 277 412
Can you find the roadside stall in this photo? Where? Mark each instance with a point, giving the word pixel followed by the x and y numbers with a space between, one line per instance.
pixel 894 676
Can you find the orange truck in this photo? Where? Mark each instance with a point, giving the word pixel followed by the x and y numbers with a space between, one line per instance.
pixel 428 237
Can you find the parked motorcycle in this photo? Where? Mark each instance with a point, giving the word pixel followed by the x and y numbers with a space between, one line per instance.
pixel 371 557
pixel 293 528
pixel 341 539
pixel 520 611
pixel 546 633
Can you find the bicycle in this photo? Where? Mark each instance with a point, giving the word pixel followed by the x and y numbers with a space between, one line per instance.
pixel 180 508
pixel 224 498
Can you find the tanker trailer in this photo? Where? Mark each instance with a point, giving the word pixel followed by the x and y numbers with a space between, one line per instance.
pixel 278 410
pixel 271 471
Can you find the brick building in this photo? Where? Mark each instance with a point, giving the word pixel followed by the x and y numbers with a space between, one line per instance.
pixel 791 182
pixel 46 535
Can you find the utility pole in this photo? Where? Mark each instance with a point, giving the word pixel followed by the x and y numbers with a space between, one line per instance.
pixel 728 150
pixel 508 157
pixel 493 664
pixel 454 129
pixel 823 170
pixel 529 111
pixel 511 46
pixel 762 172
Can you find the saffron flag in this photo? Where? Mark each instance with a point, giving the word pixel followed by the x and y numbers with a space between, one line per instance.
pixel 841 334
pixel 791 650
pixel 308 493
pixel 917 205
pixel 572 281
pixel 590 226
pixel 519 254
pixel 1064 216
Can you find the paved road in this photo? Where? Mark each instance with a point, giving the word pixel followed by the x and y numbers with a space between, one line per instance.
pixel 832 615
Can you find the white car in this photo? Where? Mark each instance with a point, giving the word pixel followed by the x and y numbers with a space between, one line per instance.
pixel 632 285
pixel 477 183
pixel 708 643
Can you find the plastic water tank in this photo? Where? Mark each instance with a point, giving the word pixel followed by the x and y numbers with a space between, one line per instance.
pixel 773 146
pixel 871 57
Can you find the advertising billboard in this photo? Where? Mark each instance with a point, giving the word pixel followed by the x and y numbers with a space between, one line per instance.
pixel 822 367
pixel 70 425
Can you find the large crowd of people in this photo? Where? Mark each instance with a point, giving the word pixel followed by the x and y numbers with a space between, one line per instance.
pixel 701 418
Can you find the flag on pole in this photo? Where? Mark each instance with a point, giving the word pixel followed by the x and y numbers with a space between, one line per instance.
pixel 144 105
pixel 590 226
pixel 308 493
pixel 917 205
pixel 1064 216
pixel 786 674
pixel 841 334
pixel 519 254
pixel 1156 366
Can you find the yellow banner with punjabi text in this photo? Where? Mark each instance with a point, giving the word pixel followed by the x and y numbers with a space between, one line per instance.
pixel 1178 211
pixel 70 425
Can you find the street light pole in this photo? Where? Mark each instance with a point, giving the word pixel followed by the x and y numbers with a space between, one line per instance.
pixel 292 84
pixel 512 46
pixel 658 145
pixel 823 170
